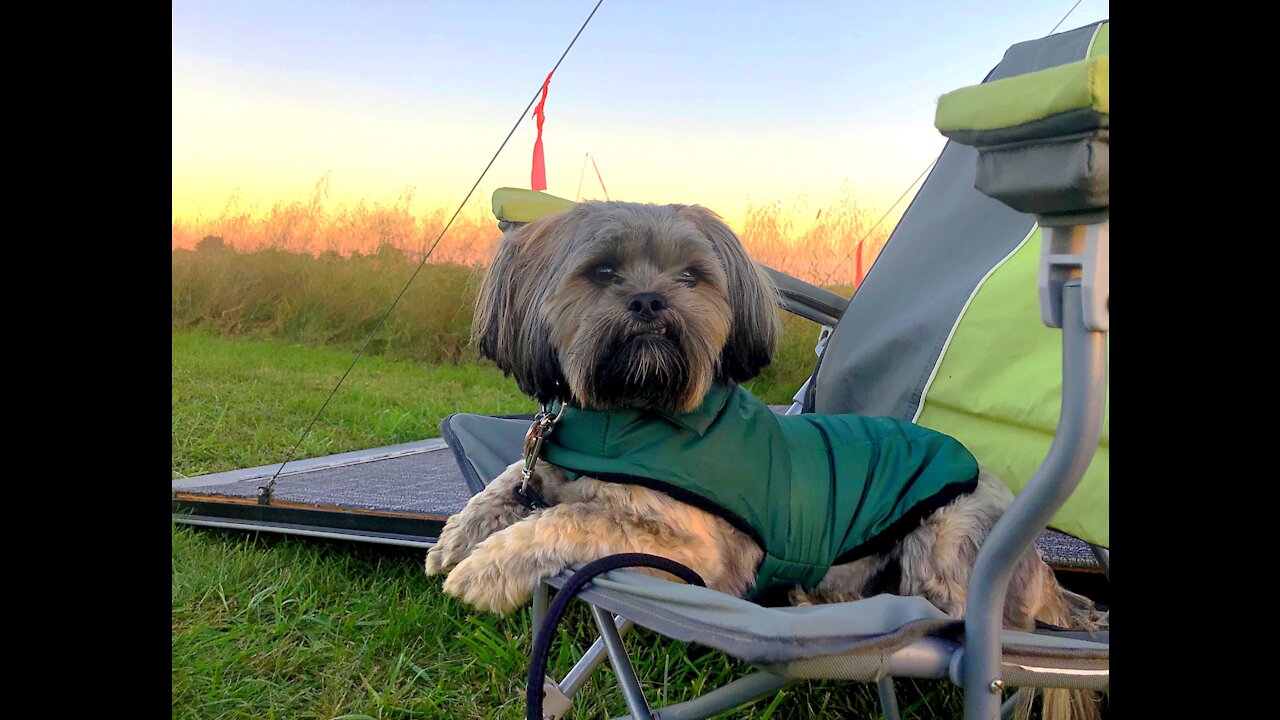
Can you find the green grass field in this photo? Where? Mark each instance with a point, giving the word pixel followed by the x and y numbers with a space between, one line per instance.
pixel 271 627
pixel 244 403
pixel 336 302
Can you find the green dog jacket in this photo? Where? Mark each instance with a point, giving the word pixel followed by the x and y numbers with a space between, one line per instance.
pixel 813 490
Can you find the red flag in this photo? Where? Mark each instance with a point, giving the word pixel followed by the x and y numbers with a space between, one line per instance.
pixel 538 180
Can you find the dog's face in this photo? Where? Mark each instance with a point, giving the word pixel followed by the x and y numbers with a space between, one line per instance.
pixel 618 305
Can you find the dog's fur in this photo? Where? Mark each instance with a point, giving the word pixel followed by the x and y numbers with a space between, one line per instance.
pixel 619 305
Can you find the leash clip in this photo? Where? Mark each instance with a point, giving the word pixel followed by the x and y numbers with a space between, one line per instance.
pixel 543 424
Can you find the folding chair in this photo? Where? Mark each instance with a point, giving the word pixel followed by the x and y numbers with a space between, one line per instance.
pixel 941 332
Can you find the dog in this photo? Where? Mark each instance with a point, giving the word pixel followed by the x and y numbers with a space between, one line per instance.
pixel 642 312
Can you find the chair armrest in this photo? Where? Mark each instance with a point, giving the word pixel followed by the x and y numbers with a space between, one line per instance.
pixel 1043 139
pixel 806 300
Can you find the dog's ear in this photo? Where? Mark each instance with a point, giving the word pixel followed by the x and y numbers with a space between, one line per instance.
pixel 752 296
pixel 507 302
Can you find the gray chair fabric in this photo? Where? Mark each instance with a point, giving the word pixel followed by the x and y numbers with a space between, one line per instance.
pixel 879 358
pixel 829 641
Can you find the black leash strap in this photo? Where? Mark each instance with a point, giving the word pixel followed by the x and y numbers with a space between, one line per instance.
pixel 575 584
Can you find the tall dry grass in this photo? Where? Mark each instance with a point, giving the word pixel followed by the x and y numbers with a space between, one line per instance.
pixel 315 273
pixel 317 226
pixel 338 301
pixel 829 246
pixel 833 247
pixel 327 299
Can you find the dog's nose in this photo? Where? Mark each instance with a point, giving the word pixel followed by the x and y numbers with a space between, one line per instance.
pixel 646 305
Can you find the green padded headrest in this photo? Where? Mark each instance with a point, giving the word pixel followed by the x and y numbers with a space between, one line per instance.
pixel 1023 98
pixel 1043 138
pixel 522 206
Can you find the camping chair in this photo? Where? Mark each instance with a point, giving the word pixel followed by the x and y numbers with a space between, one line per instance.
pixel 941 332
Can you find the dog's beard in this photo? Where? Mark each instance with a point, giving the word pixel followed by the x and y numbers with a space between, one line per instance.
pixel 622 364
pixel 645 370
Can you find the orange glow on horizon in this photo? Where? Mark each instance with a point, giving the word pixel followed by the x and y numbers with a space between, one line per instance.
pixel 812 244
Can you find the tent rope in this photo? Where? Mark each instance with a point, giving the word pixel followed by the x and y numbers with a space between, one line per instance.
pixel 858 244
pixel 264 491
pixel 1064 17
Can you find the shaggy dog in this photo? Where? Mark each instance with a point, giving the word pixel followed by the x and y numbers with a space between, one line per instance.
pixel 616 306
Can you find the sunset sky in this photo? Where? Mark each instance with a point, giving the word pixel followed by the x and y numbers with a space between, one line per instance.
pixel 711 102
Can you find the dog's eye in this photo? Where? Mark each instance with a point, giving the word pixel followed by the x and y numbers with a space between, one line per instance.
pixel 604 272
pixel 689 275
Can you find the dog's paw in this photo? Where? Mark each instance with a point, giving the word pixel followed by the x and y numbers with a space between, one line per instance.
pixel 488 582
pixel 797 597
pixel 449 549
pixel 444 557
pixel 436 564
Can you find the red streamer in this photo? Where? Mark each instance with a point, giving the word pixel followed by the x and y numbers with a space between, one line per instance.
pixel 538 178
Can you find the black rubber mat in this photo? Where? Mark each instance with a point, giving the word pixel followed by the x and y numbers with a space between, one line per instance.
pixel 424 482
pixel 1063 551
pixel 420 478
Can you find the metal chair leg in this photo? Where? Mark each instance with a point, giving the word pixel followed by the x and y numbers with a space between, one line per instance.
pixel 747 689
pixel 1079 427
pixel 558 696
pixel 1104 559
pixel 621 663
pixel 590 660
pixel 888 698
pixel 1010 705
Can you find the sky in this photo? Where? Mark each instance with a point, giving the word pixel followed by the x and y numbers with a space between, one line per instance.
pixel 723 103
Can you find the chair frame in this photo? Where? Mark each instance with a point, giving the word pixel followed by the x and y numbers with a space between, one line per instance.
pixel 1074 285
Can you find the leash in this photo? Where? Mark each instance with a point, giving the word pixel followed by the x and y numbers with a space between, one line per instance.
pixel 543 425
pixel 575 585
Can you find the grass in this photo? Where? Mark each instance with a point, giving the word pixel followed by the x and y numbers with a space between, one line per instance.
pixel 327 299
pixel 270 627
pixel 268 310
pixel 830 244
pixel 337 301
pixel 286 628
pixel 241 404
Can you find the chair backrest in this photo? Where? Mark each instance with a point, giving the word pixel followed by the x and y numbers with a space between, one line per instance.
pixel 945 330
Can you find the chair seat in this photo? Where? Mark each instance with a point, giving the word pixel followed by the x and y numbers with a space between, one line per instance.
pixel 795 641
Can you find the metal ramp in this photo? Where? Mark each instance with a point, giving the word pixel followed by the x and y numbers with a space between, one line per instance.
pixel 397 495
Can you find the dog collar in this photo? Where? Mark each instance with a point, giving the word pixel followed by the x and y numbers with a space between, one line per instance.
pixel 544 422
